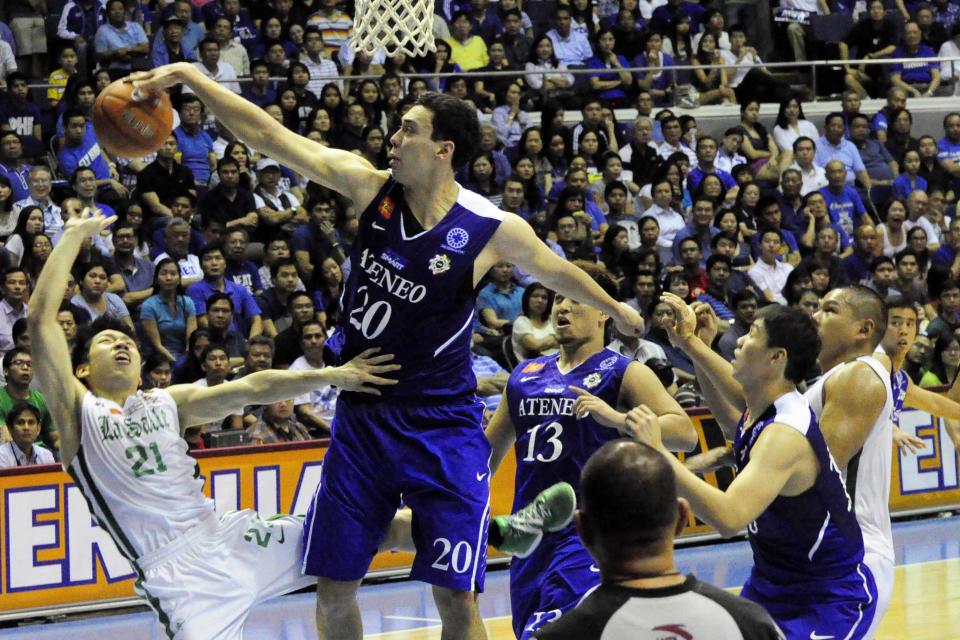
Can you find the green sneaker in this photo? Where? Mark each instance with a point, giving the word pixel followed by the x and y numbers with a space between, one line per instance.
pixel 551 510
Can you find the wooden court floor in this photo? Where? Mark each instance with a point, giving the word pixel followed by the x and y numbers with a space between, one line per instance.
pixel 926 606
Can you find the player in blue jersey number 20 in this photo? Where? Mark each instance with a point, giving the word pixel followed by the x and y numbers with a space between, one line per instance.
pixel 423 245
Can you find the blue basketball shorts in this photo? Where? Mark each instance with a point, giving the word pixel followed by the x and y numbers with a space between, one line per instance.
pixel 825 609
pixel 550 582
pixel 434 459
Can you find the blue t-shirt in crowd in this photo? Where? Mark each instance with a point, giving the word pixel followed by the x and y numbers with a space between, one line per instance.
pixel 244 306
pixel 507 306
pixel 846 208
pixel 86 154
pixel 903 186
pixel 195 153
pixel 915 72
pixel 171 323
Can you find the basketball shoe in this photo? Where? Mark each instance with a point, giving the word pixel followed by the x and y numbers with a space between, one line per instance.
pixel 521 532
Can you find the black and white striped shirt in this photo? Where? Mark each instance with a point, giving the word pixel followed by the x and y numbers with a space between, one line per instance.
pixel 693 610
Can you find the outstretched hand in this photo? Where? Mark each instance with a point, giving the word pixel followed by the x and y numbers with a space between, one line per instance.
pixel 90 222
pixel 159 78
pixel 589 404
pixel 363 373
pixel 907 443
pixel 686 318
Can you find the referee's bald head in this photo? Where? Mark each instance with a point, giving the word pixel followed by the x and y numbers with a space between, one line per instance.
pixel 628 501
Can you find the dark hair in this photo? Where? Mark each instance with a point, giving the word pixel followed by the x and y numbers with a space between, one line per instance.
pixel 263 341
pixel 22 406
pixel 279 264
pixel 554 62
pixel 796 332
pixel 782 115
pixel 628 500
pixel 743 296
pixel 867 305
pixel 529 291
pixel 218 296
pixel 944 340
pixel 453 120
pixel 86 334
pixel 13 353
pixel 719 257
pixel 210 348
pixel 156 272
pixel 723 235
pixel 210 247
pixel 880 260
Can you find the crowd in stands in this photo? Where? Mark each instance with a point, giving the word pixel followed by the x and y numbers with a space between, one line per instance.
pixel 226 262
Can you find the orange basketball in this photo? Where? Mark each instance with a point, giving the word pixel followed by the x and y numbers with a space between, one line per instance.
pixel 128 126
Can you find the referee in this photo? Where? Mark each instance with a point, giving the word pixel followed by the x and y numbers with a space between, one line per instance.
pixel 628 516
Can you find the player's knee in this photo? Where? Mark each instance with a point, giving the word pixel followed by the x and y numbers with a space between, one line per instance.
pixel 454 601
pixel 334 594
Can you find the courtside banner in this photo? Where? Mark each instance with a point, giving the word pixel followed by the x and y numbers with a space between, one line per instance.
pixel 53 555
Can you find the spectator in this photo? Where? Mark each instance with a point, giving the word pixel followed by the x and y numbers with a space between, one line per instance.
pixel 29 225
pixel 896 100
pixel 673 141
pixel 516 44
pixel 658 82
pixel 191 36
pixel 893 232
pixel 917 79
pixel 228 203
pixel 163 179
pixel 276 206
pixel 489 90
pixel 332 23
pixel 791 126
pixel 19 114
pixel 729 155
pixel 834 146
pixel 13 306
pixel 946 359
pixel 873 37
pixel 843 202
pixel 700 228
pixel 769 216
pixel 168 47
pixel 930 167
pixel 277 423
pixel 706 155
pixel 918 205
pixel 188 368
pixel 947 255
pixel 213 263
pixel 24 424
pixel 157 372
pixel 750 80
pixel 314 409
pixel 220 322
pixel 932 33
pixel 317 239
pixel 669 219
pixel 231 51
pixel 39 183
pixel 899 138
pixel 745 306
pixel 215 363
pixel 692 271
pixel 572 47
pixel 240 269
pixel 12 166
pixel 137 273
pixel 121 44
pixel 538 76
pixel 274 300
pixel 610 86
pixel 662 317
pixel 195 144
pixel 950 69
pixel 468 51
pixel 81 153
pixel 883 277
pixel 533 332
pixel 573 237
pixel 877 161
pixel 769 273
pixel 713 84
pixel 301 310
pixel 177 240
pixel 908 179
pixel 856 266
pixel 59 77
pixel 499 302
pixel 260 91
pixel 322 69
pixel 168 316
pixel 758 145
pixel 94 297
pixel 908 280
pixel 8 63
pixel 78 25
pixel 718 295
pixel 213 67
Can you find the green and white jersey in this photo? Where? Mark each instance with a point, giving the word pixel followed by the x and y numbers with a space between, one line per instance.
pixel 133 468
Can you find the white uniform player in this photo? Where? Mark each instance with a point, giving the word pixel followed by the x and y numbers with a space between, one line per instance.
pixel 868 482
pixel 200 573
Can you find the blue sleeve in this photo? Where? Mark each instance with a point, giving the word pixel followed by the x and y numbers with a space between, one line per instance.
pixel 196 294
pixel 845 240
pixel 858 165
pixel 257 282
pixel 148 310
pixel 485 300
pixel 301 238
pixel 250 307
pixel 68 163
pixel 191 309
pixel 857 202
pixel 596 214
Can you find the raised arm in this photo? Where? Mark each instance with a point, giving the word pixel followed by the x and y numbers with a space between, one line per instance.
pixel 52 365
pixel 336 169
pixel 515 241
pixel 199 405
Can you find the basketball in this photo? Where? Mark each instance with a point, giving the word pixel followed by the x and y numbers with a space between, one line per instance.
pixel 128 126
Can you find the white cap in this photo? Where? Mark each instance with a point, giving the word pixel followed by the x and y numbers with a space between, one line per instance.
pixel 265 163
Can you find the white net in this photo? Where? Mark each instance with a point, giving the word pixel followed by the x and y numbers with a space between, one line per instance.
pixel 394 25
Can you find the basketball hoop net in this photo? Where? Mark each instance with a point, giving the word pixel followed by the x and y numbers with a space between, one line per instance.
pixel 395 25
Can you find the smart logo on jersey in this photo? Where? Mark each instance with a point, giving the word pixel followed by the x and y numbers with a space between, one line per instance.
pixel 457 239
pixel 608 363
pixel 386 208
pixel 676 631
pixel 555 389
pixel 533 367
pixel 592 380
pixel 394 259
pixel 438 264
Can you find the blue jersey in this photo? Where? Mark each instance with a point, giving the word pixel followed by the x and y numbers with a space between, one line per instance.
pixel 899 382
pixel 811 537
pixel 410 292
pixel 808 549
pixel 552 446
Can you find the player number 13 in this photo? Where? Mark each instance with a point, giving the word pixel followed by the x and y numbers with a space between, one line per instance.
pixel 555 430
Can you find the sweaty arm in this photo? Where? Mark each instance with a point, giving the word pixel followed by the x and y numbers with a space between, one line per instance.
pixel 641 386
pixel 853 400
pixel 336 169
pixel 200 405
pixel 515 241
pixel 782 462
pixel 51 364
